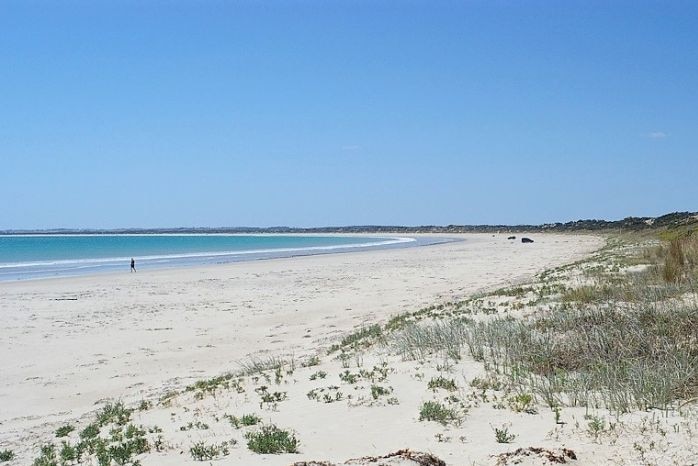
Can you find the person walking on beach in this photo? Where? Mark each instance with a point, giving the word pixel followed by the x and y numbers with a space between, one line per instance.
pixel 133 265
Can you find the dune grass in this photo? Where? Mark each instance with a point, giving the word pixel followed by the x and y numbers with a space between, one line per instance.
pixel 626 344
pixel 680 259
pixel 256 365
pixel 417 341
pixel 640 358
pixel 624 341
pixel 363 337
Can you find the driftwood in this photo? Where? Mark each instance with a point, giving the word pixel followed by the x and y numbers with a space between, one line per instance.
pixel 402 456
pixel 552 456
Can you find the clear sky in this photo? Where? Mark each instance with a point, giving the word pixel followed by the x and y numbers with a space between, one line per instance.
pixel 313 113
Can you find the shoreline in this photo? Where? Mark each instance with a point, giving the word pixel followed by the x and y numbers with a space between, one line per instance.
pixel 22 271
pixel 133 337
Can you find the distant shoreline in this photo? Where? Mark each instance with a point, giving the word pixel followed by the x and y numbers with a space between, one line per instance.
pixel 162 255
pixel 629 223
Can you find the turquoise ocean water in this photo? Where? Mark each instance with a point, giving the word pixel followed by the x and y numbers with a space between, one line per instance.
pixel 43 256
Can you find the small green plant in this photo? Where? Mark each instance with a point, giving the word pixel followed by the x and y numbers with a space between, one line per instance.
pixel 47 457
pixel 523 403
pixel 328 398
pixel 270 399
pixel 234 420
pixel 377 374
pixel 272 440
pixel 596 426
pixel 502 435
pixel 210 386
pixel 246 420
pixel 155 430
pixel 312 361
pixel 442 382
pixel 318 375
pixel 195 425
pixel 99 446
pixel 435 411
pixel 326 394
pixel 201 451
pixel 348 377
pixel 159 443
pixel 250 419
pixel 130 442
pixel 489 383
pixel 6 455
pixel 64 431
pixel 90 432
pixel 68 453
pixel 115 413
pixel 377 391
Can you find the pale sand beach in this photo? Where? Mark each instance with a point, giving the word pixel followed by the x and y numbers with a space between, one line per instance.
pixel 71 342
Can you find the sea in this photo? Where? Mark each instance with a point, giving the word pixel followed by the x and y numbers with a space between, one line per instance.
pixel 38 256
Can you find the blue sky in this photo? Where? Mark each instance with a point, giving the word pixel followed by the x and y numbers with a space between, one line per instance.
pixel 312 113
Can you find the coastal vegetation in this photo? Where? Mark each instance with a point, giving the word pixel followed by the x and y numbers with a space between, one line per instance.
pixel 270 439
pixel 442 382
pixel 110 438
pixel 63 431
pixel 502 435
pixel 244 421
pixel 201 451
pixel 623 344
pixel 435 411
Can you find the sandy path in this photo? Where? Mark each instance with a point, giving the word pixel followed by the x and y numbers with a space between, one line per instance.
pixel 67 343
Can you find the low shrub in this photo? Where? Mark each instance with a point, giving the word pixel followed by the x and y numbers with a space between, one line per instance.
pixel 269 439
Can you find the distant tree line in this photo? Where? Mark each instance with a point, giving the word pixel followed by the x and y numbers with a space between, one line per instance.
pixel 674 219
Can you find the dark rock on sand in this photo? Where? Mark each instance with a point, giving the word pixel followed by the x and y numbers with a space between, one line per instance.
pixel 526 240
